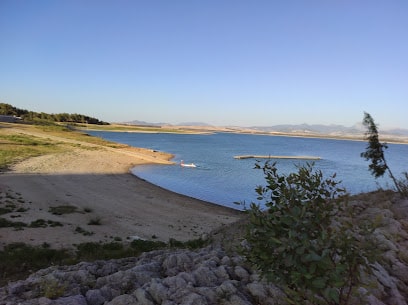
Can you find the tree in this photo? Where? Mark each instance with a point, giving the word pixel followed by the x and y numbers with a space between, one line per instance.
pixel 375 152
pixel 7 109
pixel 302 241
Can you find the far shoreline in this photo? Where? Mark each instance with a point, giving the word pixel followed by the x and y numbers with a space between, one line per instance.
pixel 391 139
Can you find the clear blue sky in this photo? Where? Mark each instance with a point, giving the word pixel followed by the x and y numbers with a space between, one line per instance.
pixel 222 62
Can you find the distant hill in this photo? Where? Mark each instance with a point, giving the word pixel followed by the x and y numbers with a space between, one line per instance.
pixel 194 124
pixel 313 129
pixel 398 132
pixel 317 128
pixel 143 123
pixel 356 129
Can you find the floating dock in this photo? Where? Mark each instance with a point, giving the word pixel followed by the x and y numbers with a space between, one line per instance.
pixel 276 157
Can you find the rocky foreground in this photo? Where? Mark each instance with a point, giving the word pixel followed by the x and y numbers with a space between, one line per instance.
pixel 207 276
pixel 211 275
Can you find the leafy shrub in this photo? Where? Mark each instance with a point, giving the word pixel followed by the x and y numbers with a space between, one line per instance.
pixel 52 223
pixel 88 210
pixel 18 259
pixel 62 209
pixel 51 289
pixel 41 223
pixel 94 221
pixel 5 211
pixel 147 245
pixel 5 223
pixel 92 250
pixel 190 244
pixel 83 231
pixel 301 242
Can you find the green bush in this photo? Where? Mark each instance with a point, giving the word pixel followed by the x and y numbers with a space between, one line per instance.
pixel 62 209
pixel 5 223
pixel 51 289
pixel 141 245
pixel 5 211
pixel 18 259
pixel 41 223
pixel 302 241
pixel 96 221
pixel 93 251
pixel 83 231
pixel 190 244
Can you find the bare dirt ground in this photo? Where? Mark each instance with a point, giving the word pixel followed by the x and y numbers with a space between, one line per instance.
pixel 96 181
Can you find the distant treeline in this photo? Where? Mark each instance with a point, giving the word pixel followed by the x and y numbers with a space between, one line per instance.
pixel 31 116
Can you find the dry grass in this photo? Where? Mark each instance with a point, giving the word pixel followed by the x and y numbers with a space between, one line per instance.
pixel 14 148
pixel 20 141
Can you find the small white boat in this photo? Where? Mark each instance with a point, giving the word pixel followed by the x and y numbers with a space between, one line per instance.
pixel 187 164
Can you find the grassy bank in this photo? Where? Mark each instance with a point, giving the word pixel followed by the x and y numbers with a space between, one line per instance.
pixel 23 141
pixel 18 260
pixel 14 148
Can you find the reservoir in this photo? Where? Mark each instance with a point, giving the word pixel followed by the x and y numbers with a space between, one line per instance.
pixel 222 179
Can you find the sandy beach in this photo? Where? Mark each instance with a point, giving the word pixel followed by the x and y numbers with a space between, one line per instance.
pixel 96 181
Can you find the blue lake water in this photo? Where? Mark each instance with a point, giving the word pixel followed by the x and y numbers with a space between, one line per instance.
pixel 221 179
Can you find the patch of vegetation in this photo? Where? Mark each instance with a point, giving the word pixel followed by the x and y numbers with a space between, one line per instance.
pixel 141 245
pixel 95 251
pixel 190 244
pixel 305 240
pixel 5 223
pixel 52 289
pixel 11 205
pixel 18 260
pixel 5 211
pixel 96 221
pixel 41 223
pixel 63 209
pixel 52 223
pixel 83 231
pixel 14 148
pixel 46 118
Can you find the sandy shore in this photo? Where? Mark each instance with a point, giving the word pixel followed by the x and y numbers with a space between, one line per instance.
pixel 98 183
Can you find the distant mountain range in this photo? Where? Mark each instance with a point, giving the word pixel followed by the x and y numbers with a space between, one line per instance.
pixel 338 130
pixel 143 123
pixel 316 129
pixel 306 128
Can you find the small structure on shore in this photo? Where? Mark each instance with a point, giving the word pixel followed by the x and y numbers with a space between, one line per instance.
pixel 276 157
pixel 9 118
